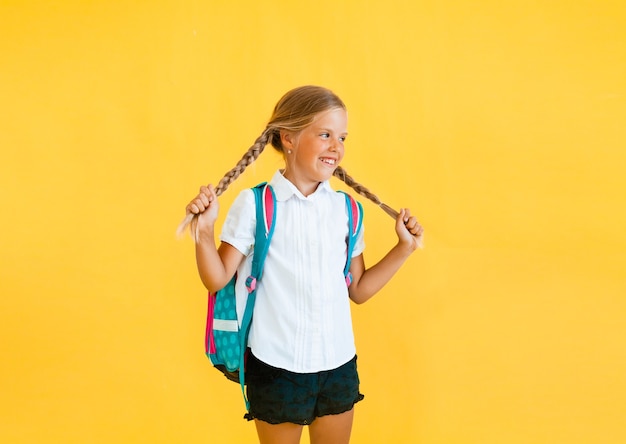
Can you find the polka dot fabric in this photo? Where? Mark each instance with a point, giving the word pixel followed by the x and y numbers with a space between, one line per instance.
pixel 227 342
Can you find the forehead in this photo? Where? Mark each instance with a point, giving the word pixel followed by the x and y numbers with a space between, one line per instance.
pixel 335 119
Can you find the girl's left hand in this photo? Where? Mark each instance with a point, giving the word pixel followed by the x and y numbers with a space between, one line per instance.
pixel 409 230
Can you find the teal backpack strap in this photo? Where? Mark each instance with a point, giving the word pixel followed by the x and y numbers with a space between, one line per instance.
pixel 265 201
pixel 355 220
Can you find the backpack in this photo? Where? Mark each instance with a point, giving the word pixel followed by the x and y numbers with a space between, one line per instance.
pixel 226 336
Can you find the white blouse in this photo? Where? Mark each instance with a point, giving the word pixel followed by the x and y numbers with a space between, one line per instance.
pixel 301 320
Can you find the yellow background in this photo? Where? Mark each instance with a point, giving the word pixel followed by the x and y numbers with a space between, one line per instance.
pixel 500 123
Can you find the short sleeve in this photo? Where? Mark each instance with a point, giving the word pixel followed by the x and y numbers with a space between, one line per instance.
pixel 239 226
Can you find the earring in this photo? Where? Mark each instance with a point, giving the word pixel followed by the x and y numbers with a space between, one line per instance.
pixel 288 151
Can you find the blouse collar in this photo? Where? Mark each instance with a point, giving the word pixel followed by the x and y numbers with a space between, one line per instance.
pixel 284 189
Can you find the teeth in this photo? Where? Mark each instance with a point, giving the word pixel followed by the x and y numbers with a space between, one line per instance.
pixel 329 161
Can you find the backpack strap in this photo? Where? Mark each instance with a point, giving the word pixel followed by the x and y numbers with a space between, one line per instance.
pixel 355 221
pixel 265 202
pixel 266 214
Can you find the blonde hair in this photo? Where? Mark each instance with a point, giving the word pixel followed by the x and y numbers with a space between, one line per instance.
pixel 293 112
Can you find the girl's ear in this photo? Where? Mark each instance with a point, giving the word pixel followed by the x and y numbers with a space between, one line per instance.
pixel 287 139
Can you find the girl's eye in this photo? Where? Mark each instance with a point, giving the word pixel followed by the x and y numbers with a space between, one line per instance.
pixel 325 135
pixel 342 139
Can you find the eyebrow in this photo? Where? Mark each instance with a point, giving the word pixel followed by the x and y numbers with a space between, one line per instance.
pixel 330 131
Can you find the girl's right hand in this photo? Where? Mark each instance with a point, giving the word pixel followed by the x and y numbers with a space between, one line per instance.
pixel 206 207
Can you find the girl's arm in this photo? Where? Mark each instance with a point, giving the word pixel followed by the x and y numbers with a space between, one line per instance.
pixel 367 282
pixel 215 266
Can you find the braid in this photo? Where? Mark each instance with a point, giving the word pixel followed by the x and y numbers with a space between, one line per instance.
pixel 363 191
pixel 250 156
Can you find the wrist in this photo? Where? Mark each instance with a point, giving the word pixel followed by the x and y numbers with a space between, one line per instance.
pixel 406 247
pixel 204 235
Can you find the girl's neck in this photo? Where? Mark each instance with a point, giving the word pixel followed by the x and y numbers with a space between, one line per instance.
pixel 305 187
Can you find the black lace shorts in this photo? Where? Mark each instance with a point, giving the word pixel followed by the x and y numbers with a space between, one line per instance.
pixel 277 396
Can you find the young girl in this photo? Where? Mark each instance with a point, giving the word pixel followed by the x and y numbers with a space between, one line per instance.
pixel 302 366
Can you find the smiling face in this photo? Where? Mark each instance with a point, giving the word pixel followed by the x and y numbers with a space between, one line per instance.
pixel 313 154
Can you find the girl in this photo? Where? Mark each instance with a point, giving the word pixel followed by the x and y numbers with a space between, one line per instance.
pixel 302 366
